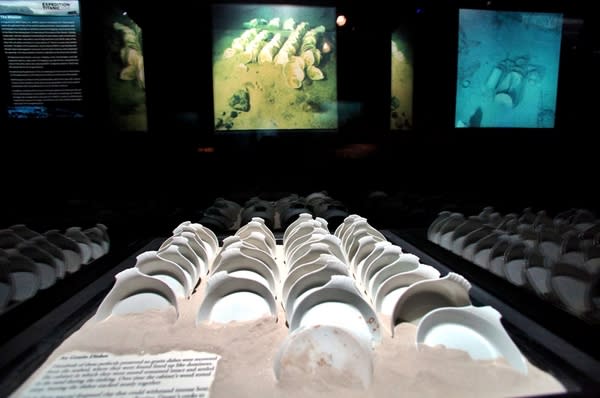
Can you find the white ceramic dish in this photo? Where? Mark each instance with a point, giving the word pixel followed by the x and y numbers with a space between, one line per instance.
pixel 250 251
pixel 82 241
pixel 204 234
pixel 387 293
pixel 105 237
pixel 406 262
pixel 574 288
pixel 23 231
pixel 260 241
pixel 58 256
pixel 238 259
pixel 331 241
pixel 366 244
pixel 313 252
pixel 24 275
pixel 326 267
pixel 201 250
pixel 359 225
pixel 70 249
pixel 258 224
pixel 375 253
pixel 300 227
pixel 539 275
pixel 300 236
pixel 341 292
pixel 389 255
pixel 135 292
pixel 167 271
pixel 356 231
pixel 233 298
pixel 476 330
pixel 424 296
pixel 348 221
pixel 95 235
pixel 312 348
pixel 446 230
pixel 303 217
pixel 7 288
pixel 173 254
pixel 187 251
pixel 44 262
pixel 433 230
pixel 314 261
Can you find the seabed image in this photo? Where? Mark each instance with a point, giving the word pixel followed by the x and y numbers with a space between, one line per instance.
pixel 401 113
pixel 507 69
pixel 277 72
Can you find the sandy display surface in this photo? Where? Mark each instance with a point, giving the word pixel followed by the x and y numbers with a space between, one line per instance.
pixel 248 350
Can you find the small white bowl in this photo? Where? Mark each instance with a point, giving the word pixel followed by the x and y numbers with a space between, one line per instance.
pixel 232 298
pixel 476 330
pixel 84 243
pixel 375 253
pixel 44 262
pixel 257 224
pixel 187 251
pixel 406 262
pixel 389 255
pixel 331 241
pixel 303 217
pixel 348 221
pixel 135 292
pixel 313 252
pixel 202 251
pixel 366 244
pixel 70 249
pixel 24 275
pixel 391 288
pixel 203 234
pixel 309 349
pixel 173 254
pixel 343 294
pixel 260 241
pixel 237 259
pixel 250 251
pixel 424 296
pixel 167 271
pixel 321 274
pixel 303 233
pixel 314 261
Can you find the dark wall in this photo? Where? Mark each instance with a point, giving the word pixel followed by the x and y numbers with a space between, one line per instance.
pixel 87 159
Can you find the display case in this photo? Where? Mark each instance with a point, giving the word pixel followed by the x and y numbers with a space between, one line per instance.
pixel 394 157
pixel 551 338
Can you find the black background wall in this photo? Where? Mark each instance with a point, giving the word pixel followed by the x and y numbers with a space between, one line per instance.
pixel 46 163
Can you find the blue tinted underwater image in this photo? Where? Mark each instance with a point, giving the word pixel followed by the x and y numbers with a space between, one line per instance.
pixel 507 72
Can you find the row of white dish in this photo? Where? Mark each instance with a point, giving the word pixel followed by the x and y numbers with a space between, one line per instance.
pixel 160 277
pixel 318 287
pixel 378 271
pixel 394 284
pixel 564 269
pixel 30 261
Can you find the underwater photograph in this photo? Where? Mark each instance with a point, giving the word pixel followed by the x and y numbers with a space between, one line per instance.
pixel 274 67
pixel 507 72
pixel 125 69
pixel 401 104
